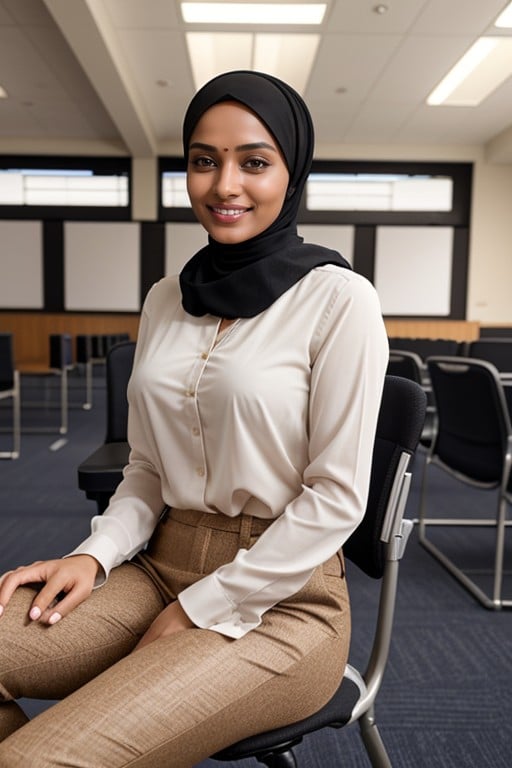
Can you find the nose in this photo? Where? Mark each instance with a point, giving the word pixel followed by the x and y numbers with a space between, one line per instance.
pixel 228 181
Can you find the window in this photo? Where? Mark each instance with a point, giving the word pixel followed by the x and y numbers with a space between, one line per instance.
pixel 378 192
pixel 65 187
pixel 174 189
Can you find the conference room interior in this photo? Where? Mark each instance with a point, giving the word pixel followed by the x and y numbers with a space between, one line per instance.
pixel 414 192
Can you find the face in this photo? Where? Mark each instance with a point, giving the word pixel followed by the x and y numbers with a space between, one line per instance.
pixel 236 177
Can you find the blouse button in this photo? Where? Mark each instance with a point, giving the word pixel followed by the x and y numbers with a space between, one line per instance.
pixel 189 393
pixel 195 431
pixel 204 355
pixel 200 471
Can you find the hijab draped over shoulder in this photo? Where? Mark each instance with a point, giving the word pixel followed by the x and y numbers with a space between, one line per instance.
pixel 243 279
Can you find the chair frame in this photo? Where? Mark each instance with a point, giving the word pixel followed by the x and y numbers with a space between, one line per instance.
pixel 495 600
pixel 394 534
pixel 14 393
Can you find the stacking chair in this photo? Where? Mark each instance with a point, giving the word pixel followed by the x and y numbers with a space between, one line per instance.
pixel 425 347
pixel 495 351
pixel 376 547
pixel 100 474
pixel 411 366
pixel 473 444
pixel 10 388
pixel 499 353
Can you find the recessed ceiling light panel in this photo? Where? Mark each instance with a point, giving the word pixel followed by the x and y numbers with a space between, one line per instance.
pixel 484 67
pixel 253 13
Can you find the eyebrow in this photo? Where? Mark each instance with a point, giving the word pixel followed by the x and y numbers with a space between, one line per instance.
pixel 239 148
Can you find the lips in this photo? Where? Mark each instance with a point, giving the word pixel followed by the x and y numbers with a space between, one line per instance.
pixel 227 214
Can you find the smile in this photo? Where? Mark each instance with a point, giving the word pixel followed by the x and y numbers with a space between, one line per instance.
pixel 228 211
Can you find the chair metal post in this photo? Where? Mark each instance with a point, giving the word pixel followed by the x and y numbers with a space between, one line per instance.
pixel 279 760
pixel 375 748
pixel 16 419
pixel 501 525
pixel 88 386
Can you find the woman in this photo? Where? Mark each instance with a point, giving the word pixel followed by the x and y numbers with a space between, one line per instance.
pixel 253 404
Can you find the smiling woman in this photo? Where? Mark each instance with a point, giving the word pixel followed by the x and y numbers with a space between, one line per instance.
pixel 237 184
pixel 223 608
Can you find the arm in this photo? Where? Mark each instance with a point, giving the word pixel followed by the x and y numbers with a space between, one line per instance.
pixel 348 368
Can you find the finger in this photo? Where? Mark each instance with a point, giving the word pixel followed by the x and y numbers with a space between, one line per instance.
pixel 64 603
pixel 11 580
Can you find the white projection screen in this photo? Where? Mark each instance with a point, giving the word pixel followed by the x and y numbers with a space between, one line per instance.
pixel 21 265
pixel 101 263
pixel 413 270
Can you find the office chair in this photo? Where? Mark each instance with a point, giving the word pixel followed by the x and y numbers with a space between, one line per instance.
pixel 473 445
pixel 376 547
pixel 101 472
pixel 10 388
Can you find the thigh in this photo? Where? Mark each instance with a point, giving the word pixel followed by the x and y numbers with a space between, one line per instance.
pixel 40 661
pixel 181 698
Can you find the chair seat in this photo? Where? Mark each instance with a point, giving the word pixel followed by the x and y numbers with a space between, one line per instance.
pixel 102 471
pixel 337 711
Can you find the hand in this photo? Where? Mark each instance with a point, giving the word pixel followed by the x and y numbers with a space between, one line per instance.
pixel 67 583
pixel 172 619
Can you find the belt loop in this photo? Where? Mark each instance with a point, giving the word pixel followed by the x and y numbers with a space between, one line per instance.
pixel 244 537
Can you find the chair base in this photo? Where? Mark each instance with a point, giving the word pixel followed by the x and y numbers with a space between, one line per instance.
pixel 495 603
pixel 9 454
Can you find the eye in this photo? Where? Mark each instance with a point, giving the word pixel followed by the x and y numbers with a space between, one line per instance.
pixel 256 164
pixel 202 162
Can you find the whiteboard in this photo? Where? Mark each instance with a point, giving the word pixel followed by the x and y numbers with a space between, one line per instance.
pixel 338 237
pixel 21 265
pixel 101 265
pixel 181 242
pixel 413 270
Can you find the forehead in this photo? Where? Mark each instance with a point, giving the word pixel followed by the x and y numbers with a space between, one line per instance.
pixel 230 120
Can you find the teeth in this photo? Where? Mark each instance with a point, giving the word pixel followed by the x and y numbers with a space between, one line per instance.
pixel 228 211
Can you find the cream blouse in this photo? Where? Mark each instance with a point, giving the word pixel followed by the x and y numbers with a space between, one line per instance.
pixel 274 418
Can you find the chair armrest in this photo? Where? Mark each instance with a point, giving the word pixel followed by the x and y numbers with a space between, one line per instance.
pixel 102 471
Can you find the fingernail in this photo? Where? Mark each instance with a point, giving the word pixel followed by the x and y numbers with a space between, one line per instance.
pixel 35 613
pixel 1 609
pixel 54 618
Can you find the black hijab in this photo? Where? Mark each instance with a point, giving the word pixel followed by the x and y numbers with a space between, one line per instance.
pixel 243 279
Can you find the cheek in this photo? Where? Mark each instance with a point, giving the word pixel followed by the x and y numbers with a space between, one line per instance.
pixel 273 193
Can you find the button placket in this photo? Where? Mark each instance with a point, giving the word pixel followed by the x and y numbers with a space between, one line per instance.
pixel 192 409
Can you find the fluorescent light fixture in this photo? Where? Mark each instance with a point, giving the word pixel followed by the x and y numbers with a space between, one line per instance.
pixel 253 13
pixel 504 20
pixel 287 56
pixel 485 66
pixel 3 93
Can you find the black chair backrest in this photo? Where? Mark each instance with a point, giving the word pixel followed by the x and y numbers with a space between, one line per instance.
pixel 61 350
pixel 495 351
pixel 473 421
pixel 406 364
pixel 119 365
pixel 401 419
pixel 6 362
pixel 425 347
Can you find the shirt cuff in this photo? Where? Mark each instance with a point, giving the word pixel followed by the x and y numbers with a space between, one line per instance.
pixel 103 549
pixel 209 608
